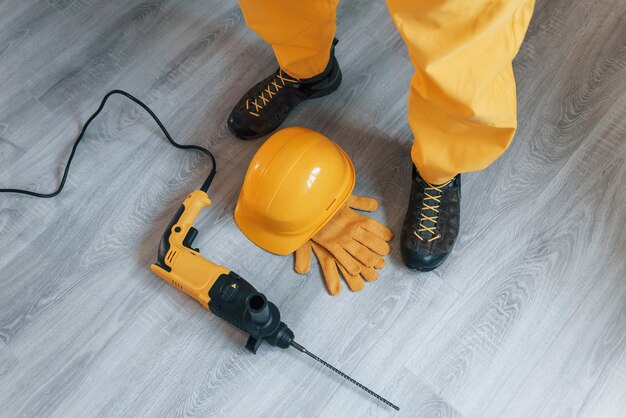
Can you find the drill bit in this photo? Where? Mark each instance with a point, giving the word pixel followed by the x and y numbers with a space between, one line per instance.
pixel 342 374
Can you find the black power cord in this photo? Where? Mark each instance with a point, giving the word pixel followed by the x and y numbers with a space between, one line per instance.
pixel 205 185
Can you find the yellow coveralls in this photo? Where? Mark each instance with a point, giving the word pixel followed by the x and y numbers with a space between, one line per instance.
pixel 462 103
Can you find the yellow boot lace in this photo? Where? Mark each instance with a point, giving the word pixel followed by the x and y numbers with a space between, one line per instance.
pixel 273 87
pixel 433 194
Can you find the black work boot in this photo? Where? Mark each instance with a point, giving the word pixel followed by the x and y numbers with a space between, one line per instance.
pixel 266 105
pixel 432 222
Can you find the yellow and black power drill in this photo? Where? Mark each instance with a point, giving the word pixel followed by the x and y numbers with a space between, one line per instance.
pixel 220 290
pixel 216 288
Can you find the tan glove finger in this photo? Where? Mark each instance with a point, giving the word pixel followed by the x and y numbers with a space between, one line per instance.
pixel 366 204
pixel 380 264
pixel 371 241
pixel 302 258
pixel 342 256
pixel 350 216
pixel 355 263
pixel 329 269
pixel 376 228
pixel 362 254
pixel 369 274
pixel 354 281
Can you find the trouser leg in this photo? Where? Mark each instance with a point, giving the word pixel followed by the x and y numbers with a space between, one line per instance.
pixel 462 103
pixel 300 32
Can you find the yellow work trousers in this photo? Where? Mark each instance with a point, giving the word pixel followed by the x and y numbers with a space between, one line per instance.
pixel 462 103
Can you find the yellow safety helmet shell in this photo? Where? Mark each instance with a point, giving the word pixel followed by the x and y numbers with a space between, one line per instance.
pixel 295 183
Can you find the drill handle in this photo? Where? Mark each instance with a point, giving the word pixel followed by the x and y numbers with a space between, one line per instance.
pixel 180 230
pixel 177 262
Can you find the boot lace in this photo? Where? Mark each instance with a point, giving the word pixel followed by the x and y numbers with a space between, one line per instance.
pixel 431 202
pixel 280 80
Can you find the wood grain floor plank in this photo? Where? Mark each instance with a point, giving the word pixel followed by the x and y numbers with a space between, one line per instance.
pixel 602 320
pixel 7 360
pixel 536 279
pixel 421 400
pixel 608 398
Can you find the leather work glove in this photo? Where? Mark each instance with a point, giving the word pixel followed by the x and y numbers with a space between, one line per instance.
pixel 353 239
pixel 331 268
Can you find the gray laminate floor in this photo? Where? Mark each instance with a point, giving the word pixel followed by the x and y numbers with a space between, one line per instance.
pixel 526 319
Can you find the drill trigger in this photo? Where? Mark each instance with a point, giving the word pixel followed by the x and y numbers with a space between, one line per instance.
pixel 190 237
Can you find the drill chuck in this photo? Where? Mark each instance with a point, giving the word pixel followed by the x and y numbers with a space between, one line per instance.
pixel 259 309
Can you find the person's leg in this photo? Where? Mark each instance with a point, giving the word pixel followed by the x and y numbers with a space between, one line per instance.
pixel 462 105
pixel 301 34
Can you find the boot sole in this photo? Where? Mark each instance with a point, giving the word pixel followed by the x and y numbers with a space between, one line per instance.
pixel 424 269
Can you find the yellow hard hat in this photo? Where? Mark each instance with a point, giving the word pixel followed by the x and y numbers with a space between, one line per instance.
pixel 295 183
